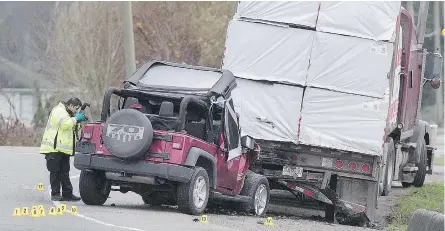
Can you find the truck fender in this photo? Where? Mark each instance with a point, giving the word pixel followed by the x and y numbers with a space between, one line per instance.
pixel 421 129
pixel 196 154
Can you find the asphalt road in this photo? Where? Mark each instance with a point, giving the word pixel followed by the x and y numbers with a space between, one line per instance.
pixel 22 169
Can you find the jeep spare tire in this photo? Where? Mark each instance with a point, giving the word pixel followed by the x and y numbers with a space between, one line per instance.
pixel 127 134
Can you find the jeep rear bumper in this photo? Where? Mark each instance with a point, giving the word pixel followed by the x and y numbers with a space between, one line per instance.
pixel 110 164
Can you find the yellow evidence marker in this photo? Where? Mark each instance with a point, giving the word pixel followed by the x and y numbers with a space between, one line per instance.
pixel 53 211
pixel 443 32
pixel 204 219
pixel 63 206
pixel 42 212
pixel 35 212
pixel 269 222
pixel 74 210
pixel 40 187
pixel 59 211
pixel 25 211
pixel 17 212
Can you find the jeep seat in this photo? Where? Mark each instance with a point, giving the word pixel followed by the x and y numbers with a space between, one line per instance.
pixel 165 120
pixel 195 125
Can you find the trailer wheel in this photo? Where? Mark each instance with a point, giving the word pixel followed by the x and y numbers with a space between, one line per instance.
pixel 256 187
pixel 419 179
pixel 389 172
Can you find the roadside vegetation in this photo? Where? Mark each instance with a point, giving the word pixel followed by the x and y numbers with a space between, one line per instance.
pixel 439 160
pixel 429 197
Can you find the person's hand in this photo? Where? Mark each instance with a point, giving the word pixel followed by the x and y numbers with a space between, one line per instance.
pixel 80 116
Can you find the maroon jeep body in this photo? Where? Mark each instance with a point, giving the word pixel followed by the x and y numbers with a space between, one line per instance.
pixel 177 144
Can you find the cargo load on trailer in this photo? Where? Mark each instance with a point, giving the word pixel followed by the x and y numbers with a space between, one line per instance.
pixel 331 91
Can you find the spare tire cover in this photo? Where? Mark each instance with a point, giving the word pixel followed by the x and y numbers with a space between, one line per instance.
pixel 127 134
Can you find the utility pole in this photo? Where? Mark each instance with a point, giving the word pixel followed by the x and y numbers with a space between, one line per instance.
pixel 130 63
pixel 443 67
pixel 437 48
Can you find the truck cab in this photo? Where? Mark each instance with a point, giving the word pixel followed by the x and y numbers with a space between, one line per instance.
pixel 172 138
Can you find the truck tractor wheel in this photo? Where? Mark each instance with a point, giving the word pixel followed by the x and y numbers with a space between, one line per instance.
pixel 256 187
pixel 406 184
pixel 389 172
pixel 194 195
pixel 421 150
pixel 93 187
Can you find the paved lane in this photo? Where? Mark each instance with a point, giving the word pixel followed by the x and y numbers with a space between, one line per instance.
pixel 23 168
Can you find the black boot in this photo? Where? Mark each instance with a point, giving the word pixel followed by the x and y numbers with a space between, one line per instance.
pixel 56 198
pixel 71 198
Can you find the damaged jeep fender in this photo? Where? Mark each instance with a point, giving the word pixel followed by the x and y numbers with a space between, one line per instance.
pixel 201 158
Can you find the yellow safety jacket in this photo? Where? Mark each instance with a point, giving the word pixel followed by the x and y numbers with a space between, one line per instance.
pixel 59 133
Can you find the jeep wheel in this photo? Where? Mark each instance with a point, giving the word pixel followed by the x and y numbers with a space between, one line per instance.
pixel 127 134
pixel 256 187
pixel 194 195
pixel 389 172
pixel 151 199
pixel 94 188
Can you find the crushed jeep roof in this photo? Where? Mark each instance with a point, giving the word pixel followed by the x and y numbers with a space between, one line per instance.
pixel 181 78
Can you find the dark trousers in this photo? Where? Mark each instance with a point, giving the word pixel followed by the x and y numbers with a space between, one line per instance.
pixel 58 165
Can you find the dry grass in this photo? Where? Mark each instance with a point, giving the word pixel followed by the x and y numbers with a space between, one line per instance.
pixel 14 133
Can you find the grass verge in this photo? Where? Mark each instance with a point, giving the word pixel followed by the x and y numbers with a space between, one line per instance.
pixel 439 160
pixel 429 197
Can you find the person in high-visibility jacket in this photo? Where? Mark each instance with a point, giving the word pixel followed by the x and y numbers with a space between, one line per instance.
pixel 58 146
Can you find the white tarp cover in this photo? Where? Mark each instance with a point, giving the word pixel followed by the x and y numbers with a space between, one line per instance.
pixel 290 12
pixel 266 52
pixel 372 20
pixel 343 121
pixel 350 64
pixel 268 111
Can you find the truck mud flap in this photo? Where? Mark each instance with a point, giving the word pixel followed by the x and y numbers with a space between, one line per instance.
pixel 345 214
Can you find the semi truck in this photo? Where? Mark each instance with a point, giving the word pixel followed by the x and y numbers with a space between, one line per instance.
pixel 331 92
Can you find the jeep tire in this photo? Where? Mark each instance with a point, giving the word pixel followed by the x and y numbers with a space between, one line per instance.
pixel 256 187
pixel 152 199
pixel 93 187
pixel 132 134
pixel 193 196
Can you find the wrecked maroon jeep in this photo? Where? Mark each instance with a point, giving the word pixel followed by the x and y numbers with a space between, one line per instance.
pixel 173 138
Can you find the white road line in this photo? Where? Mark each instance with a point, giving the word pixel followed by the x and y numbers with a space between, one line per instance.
pixel 56 203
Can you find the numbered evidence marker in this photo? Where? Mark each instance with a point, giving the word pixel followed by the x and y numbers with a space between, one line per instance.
pixel 41 211
pixel 204 219
pixel 35 212
pixel 74 210
pixel 40 187
pixel 25 211
pixel 59 210
pixel 52 211
pixel 63 206
pixel 269 222
pixel 17 212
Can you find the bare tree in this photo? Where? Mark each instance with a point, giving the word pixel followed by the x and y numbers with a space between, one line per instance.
pixel 85 52
pixel 190 32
